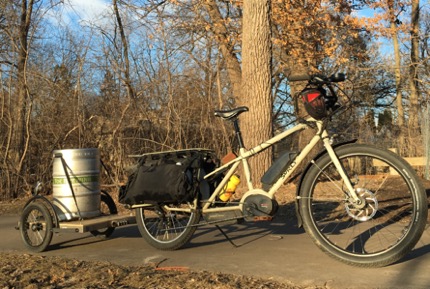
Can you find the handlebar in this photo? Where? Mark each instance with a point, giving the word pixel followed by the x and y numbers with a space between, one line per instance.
pixel 318 78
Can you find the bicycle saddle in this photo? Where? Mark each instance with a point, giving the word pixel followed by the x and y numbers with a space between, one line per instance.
pixel 231 113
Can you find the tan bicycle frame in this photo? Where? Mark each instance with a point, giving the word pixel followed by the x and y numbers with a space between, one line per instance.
pixel 320 135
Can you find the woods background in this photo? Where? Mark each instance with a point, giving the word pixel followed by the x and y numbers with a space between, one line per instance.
pixel 143 76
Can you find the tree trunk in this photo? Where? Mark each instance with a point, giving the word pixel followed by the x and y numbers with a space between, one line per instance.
pixel 256 125
pixel 125 56
pixel 413 70
pixel 226 48
pixel 397 75
pixel 20 108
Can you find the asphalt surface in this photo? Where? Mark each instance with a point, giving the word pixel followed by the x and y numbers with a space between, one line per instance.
pixel 276 250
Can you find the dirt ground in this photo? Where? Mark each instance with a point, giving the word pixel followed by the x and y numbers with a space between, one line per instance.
pixel 26 271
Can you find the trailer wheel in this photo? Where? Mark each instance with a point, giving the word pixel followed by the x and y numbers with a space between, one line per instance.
pixel 107 207
pixel 36 226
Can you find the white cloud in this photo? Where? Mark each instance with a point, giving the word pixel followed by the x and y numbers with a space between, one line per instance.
pixel 81 12
pixel 89 11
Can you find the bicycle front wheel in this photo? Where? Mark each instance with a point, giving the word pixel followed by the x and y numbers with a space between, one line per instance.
pixel 166 228
pixel 384 227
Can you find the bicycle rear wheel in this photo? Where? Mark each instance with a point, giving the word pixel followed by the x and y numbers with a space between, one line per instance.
pixel 388 223
pixel 166 229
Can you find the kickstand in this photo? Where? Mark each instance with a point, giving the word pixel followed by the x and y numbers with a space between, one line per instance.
pixel 227 237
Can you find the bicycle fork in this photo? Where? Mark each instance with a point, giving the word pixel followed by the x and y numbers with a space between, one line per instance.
pixel 356 200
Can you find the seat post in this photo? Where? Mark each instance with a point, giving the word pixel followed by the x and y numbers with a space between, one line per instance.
pixel 237 132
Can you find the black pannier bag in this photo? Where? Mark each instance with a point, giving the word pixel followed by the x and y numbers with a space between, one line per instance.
pixel 171 177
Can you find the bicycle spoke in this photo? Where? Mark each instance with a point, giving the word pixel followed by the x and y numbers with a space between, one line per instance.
pixel 165 228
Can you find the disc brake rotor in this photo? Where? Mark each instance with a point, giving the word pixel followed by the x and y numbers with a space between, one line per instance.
pixel 366 210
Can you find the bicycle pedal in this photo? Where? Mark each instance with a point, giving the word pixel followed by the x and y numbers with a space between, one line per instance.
pixel 262 218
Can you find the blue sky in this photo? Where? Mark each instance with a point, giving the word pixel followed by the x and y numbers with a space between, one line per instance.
pixel 92 12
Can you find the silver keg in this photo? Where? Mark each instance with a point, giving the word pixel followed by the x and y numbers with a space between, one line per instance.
pixel 76 183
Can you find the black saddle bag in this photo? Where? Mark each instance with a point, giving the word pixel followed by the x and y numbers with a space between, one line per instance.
pixel 164 178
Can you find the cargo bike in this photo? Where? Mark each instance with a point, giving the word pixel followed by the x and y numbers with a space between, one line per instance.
pixel 78 205
pixel 360 204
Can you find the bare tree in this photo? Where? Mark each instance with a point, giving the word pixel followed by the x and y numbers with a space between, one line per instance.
pixel 397 57
pixel 21 109
pixel 226 46
pixel 125 54
pixel 413 70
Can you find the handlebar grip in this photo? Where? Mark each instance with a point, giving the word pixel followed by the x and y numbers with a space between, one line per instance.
pixel 299 77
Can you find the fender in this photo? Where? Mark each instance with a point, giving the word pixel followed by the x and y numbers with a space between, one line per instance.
pixel 103 192
pixel 48 204
pixel 302 177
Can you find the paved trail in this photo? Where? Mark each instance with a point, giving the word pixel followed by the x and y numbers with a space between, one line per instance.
pixel 271 250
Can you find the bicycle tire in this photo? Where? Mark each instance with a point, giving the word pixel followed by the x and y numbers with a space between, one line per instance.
pixel 385 228
pixel 107 207
pixel 36 227
pixel 164 229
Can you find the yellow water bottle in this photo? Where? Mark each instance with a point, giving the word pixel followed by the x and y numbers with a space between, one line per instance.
pixel 230 188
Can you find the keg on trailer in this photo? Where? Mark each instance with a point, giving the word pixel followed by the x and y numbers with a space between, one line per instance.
pixel 76 183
